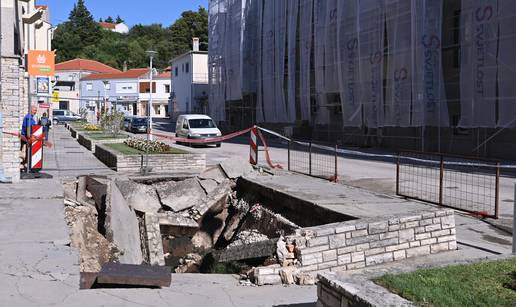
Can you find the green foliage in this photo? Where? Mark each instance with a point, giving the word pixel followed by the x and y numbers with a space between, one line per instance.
pixel 109 19
pixel 480 284
pixel 81 36
pixel 118 19
pixel 111 123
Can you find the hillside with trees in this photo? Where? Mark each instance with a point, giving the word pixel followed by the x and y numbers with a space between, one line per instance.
pixel 82 36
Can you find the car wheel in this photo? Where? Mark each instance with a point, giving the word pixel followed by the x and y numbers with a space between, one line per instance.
pixel 55 122
pixel 218 145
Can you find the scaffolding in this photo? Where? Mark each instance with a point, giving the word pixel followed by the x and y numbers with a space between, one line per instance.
pixel 427 72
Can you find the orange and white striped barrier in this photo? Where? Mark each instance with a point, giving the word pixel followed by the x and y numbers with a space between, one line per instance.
pixel 36 148
pixel 253 148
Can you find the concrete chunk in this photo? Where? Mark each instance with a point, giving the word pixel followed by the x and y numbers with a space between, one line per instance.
pixel 180 195
pixel 134 275
pixel 235 168
pixel 215 173
pixel 209 185
pixel 139 197
pixel 122 227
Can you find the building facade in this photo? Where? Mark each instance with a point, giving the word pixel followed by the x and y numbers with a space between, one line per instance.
pixel 128 92
pixel 67 81
pixel 22 27
pixel 403 74
pixel 189 77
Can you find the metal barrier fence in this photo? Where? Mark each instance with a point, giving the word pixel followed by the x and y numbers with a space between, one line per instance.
pixel 313 160
pixel 467 184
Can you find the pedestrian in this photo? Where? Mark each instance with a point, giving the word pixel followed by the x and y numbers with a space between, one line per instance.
pixel 45 122
pixel 26 134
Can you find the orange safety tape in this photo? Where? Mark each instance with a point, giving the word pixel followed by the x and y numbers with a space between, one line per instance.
pixel 204 141
pixel 33 138
pixel 267 157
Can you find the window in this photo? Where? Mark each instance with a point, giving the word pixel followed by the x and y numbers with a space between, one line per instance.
pixel 176 71
pixel 89 86
pixel 187 67
pixel 167 88
pixel 108 86
pixel 185 124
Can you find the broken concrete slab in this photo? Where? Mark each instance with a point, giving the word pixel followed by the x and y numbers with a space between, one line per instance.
pixel 214 203
pixel 215 173
pixel 140 197
pixel 209 185
pixel 122 227
pixel 235 168
pixel 249 251
pixel 134 275
pixel 154 241
pixel 177 220
pixel 180 195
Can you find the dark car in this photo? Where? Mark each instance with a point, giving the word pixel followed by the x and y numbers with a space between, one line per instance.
pixel 138 125
pixel 61 116
pixel 127 122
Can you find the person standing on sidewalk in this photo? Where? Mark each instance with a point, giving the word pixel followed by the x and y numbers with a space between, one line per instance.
pixel 26 134
pixel 44 121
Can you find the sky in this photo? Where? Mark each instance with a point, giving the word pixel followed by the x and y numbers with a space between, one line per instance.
pixel 132 11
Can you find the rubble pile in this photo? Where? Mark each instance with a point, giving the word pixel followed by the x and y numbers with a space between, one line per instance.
pixel 189 224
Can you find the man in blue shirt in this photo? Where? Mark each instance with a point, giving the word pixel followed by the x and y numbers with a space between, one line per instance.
pixel 26 133
pixel 28 122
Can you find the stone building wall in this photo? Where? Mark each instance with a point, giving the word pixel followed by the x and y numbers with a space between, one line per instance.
pixel 11 107
pixel 357 244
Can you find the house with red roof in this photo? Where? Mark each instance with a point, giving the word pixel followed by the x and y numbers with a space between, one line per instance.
pixel 128 92
pixel 67 78
pixel 115 27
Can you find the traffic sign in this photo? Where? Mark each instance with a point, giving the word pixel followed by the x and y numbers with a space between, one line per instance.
pixel 55 96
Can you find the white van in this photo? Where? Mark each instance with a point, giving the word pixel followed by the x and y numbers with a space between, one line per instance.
pixel 193 126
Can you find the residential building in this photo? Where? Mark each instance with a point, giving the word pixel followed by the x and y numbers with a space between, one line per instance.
pixel 115 27
pixel 189 77
pixel 22 26
pixel 67 78
pixel 127 91
pixel 417 75
pixel 160 94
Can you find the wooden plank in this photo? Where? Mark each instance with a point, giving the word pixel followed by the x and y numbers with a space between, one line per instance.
pixel 134 275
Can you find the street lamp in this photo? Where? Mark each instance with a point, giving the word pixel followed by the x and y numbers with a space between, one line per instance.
pixel 151 55
pixel 106 83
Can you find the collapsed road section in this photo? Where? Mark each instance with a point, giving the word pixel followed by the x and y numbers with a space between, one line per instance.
pixel 223 222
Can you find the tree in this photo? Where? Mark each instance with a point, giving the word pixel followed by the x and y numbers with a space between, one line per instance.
pixel 81 36
pixel 118 19
pixel 100 19
pixel 109 19
pixel 79 31
pixel 191 24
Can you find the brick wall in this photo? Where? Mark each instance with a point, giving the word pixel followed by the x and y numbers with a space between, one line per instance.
pixel 357 244
pixel 12 110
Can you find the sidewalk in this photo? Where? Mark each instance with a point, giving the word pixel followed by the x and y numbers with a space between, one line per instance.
pixel 38 268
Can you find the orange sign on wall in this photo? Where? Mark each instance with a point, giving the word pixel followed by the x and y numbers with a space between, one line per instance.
pixel 41 63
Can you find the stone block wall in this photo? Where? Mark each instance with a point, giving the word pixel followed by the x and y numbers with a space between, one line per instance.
pixel 13 107
pixel 160 163
pixel 358 244
pixel 338 291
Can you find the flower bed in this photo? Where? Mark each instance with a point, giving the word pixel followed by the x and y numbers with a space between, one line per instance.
pixel 123 159
pixel 147 146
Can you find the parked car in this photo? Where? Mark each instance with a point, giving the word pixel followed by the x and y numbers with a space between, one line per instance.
pixel 138 125
pixel 193 126
pixel 60 116
pixel 126 123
